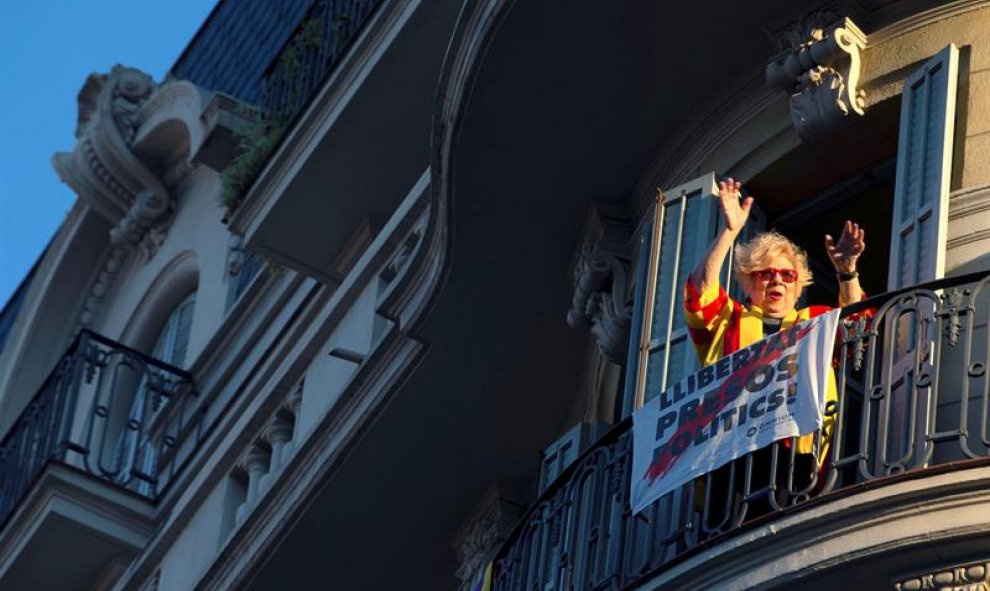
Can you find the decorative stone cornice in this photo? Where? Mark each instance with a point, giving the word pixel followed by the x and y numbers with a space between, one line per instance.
pixel 973 576
pixel 600 303
pixel 135 143
pixel 102 169
pixel 820 72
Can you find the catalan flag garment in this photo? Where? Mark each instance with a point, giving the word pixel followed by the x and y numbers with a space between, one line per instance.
pixel 719 325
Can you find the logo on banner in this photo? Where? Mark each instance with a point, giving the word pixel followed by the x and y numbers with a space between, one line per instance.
pixel 768 391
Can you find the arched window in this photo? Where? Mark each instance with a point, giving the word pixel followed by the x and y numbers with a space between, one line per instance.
pixel 173 339
pixel 136 452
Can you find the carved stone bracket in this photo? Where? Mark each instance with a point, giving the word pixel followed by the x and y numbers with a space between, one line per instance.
pixel 481 534
pixel 135 144
pixel 820 72
pixel 103 169
pixel 599 301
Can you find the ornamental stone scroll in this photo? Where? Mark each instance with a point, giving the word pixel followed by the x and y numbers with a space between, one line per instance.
pixel 820 72
pixel 481 535
pixel 136 143
pixel 599 302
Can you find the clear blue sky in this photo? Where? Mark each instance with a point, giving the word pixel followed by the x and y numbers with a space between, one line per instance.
pixel 48 49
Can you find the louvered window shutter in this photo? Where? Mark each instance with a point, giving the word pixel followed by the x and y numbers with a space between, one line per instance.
pixel 924 158
pixel 688 221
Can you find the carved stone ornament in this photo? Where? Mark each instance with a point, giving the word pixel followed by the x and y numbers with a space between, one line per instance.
pixel 135 141
pixel 820 72
pixel 480 536
pixel 965 577
pixel 599 301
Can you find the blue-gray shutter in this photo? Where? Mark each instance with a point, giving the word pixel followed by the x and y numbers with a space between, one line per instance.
pixel 924 159
pixel 689 219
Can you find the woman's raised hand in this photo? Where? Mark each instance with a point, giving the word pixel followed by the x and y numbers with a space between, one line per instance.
pixel 734 212
pixel 845 253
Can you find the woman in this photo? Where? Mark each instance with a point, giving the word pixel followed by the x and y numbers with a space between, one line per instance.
pixel 772 271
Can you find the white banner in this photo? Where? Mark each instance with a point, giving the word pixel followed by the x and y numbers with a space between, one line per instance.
pixel 768 391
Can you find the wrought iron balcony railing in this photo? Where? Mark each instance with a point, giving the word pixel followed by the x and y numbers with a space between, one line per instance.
pixel 106 410
pixel 913 394
pixel 311 54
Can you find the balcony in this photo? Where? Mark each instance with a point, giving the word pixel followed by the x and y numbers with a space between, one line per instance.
pixel 311 54
pixel 83 466
pixel 320 196
pixel 898 489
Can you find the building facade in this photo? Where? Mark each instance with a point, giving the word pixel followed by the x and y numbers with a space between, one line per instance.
pixel 364 293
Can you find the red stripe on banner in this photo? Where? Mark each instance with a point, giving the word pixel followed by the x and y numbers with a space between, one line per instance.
pixel 817 310
pixel 724 394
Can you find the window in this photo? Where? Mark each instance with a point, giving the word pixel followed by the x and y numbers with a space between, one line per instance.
pixel 687 220
pixel 173 340
pixel 135 452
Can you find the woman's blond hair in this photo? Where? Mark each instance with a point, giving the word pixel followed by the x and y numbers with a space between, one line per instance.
pixel 757 253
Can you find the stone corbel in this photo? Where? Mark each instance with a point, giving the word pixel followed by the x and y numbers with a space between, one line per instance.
pixel 599 302
pixel 481 535
pixel 136 142
pixel 820 72
pixel 102 169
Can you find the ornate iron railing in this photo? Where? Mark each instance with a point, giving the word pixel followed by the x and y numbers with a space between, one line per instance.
pixel 106 410
pixel 311 54
pixel 913 392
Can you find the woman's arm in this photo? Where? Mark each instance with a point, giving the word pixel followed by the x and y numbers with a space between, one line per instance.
pixel 844 255
pixel 735 215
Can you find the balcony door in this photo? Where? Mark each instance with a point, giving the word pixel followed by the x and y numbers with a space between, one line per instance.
pixel 902 201
pixel 136 452
pixel 685 222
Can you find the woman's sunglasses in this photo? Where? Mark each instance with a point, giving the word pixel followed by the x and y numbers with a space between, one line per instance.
pixel 786 275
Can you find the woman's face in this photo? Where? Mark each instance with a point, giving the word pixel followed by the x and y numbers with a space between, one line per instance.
pixel 775 296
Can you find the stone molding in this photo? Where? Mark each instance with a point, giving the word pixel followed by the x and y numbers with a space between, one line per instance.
pixel 969 201
pixel 809 543
pixel 251 403
pixel 964 577
pixel 921 20
pixel 820 72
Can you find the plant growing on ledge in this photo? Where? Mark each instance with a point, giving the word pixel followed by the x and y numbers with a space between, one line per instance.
pixel 259 139
pixel 257 142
